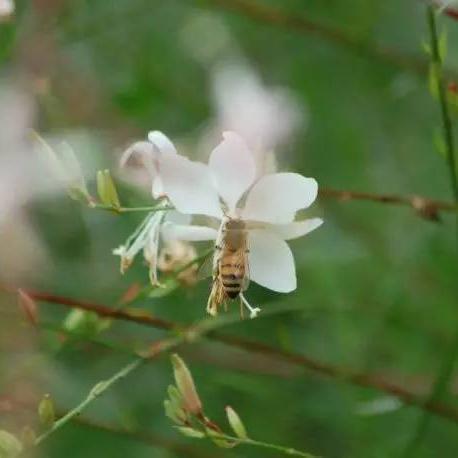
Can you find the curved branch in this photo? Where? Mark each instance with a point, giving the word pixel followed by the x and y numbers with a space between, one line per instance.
pixel 302 24
pixel 425 207
pixel 355 378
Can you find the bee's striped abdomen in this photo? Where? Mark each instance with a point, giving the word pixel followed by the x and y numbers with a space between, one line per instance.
pixel 232 274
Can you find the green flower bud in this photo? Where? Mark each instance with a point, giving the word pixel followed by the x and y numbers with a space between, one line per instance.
pixel 10 446
pixel 106 189
pixel 236 423
pixel 186 387
pixel 46 411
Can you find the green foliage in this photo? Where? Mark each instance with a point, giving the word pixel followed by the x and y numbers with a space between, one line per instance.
pixel 377 285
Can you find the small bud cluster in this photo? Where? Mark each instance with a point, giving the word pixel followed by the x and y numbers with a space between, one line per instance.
pixel 185 409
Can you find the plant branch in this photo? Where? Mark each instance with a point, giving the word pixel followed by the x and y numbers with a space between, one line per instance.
pixel 93 394
pixel 278 448
pixel 192 333
pixel 355 378
pixel 447 364
pixel 151 209
pixel 426 207
pixel 303 24
pixel 144 437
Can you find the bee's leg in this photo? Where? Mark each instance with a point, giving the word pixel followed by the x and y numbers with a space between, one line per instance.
pixel 241 308
pixel 253 310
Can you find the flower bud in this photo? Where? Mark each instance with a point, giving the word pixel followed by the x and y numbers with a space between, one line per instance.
pixel 186 387
pixel 46 411
pixel 190 432
pixel 236 423
pixel 106 189
pixel 10 446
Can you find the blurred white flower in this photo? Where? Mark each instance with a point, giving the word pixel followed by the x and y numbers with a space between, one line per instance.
pixel 265 117
pixel 227 189
pixel 19 183
pixel 444 4
pixel 61 161
pixel 7 8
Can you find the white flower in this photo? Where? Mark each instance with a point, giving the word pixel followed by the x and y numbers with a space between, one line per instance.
pixel 146 238
pixel 150 154
pixel 6 8
pixel 263 116
pixel 227 188
pixel 159 224
pixel 157 227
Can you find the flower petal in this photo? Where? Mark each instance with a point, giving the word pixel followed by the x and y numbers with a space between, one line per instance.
pixel 171 231
pixel 189 186
pixel 177 218
pixel 276 198
pixel 233 168
pixel 271 261
pixel 146 153
pixel 296 229
pixel 162 142
pixel 157 188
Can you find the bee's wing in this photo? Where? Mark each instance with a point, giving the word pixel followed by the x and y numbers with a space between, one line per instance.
pixel 244 261
pixel 206 266
pixel 246 278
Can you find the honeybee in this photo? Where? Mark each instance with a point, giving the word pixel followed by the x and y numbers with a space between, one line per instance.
pixel 230 265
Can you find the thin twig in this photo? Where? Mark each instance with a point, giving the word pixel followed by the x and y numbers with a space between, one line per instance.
pixel 144 437
pixel 363 380
pixel 424 206
pixel 93 394
pixel 303 24
pixel 192 333
pixel 278 448
pixel 150 209
pixel 448 362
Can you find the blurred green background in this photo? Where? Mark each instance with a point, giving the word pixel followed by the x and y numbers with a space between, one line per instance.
pixel 377 285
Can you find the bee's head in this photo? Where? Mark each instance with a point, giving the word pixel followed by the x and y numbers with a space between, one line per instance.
pixel 235 225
